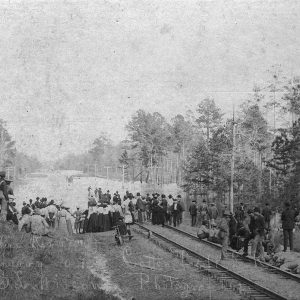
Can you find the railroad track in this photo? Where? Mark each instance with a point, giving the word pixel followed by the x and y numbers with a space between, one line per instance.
pixel 247 288
pixel 266 266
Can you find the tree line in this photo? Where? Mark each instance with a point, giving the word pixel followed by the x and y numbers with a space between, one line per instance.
pixel 202 150
pixel 17 163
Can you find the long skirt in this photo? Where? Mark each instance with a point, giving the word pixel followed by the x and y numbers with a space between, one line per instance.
pixel 106 223
pixel 100 222
pixel 85 225
pixel 93 223
pixel 61 226
pixel 115 218
pixel 69 227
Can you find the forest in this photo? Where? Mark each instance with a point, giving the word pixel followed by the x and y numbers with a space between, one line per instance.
pixel 253 153
pixel 15 163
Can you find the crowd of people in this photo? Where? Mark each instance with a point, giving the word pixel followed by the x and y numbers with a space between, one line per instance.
pixel 244 227
pixel 255 227
pixel 105 210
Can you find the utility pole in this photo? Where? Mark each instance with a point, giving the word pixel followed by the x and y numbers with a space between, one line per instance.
pixel 107 174
pixel 232 164
pixel 95 170
pixel 171 179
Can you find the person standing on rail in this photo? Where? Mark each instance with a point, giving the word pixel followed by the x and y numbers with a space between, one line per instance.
pixel 267 213
pixel 182 209
pixel 176 210
pixel 259 233
pixel 140 206
pixel 193 213
pixel 164 205
pixel 213 213
pixel 288 223
pixel 224 234
pixel 169 213
pixel 203 210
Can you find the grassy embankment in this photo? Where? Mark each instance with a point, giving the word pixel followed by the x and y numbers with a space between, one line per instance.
pixel 34 267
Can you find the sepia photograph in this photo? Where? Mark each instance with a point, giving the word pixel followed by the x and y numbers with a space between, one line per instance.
pixel 149 149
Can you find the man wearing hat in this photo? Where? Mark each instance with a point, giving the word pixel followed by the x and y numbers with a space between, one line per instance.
pixel 224 233
pixel 141 208
pixel 3 196
pixel 193 213
pixel 12 213
pixel 213 212
pixel 259 232
pixel 182 209
pixel 169 213
pixel 249 228
pixel 10 190
pixel 176 210
pixel 288 224
pixel 203 212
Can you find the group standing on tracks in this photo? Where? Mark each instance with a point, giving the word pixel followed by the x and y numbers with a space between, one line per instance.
pixel 105 211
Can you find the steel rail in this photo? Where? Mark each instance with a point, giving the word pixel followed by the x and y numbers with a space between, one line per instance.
pixel 263 292
pixel 252 260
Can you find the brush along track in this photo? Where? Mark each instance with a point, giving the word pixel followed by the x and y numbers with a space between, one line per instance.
pixel 225 272
pixel 239 256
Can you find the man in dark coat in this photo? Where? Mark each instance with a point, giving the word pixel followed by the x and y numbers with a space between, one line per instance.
pixel 203 212
pixel 141 208
pixel 176 210
pixel 259 232
pixel 288 223
pixel 180 202
pixel 164 205
pixel 213 212
pixel 157 214
pixel 193 213
pixel 4 196
pixel 267 215
pixel 248 233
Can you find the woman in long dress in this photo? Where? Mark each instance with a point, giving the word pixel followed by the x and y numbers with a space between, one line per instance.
pixel 64 225
pixel 92 219
pixel 100 218
pixel 106 217
pixel 117 213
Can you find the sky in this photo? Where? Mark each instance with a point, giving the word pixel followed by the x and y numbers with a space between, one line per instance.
pixel 71 70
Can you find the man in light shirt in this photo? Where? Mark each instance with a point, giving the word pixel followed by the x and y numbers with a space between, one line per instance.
pixel 35 223
pixel 169 213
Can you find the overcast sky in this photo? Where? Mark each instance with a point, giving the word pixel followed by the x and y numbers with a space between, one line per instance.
pixel 73 69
